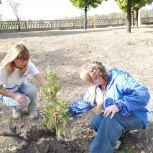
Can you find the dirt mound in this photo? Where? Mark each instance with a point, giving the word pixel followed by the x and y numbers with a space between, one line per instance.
pixel 54 146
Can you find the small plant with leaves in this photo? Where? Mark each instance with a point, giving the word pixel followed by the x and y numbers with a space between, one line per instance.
pixel 51 86
pixel 56 113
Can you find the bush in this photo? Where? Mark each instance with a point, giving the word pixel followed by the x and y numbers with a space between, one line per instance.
pixel 56 110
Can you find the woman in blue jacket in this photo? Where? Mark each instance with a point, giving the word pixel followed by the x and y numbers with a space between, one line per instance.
pixel 120 105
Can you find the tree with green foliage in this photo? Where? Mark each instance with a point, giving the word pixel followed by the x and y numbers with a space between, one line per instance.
pixel 126 6
pixel 139 4
pixel 129 5
pixel 86 4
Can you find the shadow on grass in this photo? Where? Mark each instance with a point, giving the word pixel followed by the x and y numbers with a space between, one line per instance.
pixel 2 54
pixel 149 32
pixel 56 60
pixel 52 33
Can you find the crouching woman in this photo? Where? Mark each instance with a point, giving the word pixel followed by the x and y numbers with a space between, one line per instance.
pixel 15 91
pixel 123 101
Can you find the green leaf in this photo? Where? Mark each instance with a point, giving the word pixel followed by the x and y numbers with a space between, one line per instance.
pixel 88 3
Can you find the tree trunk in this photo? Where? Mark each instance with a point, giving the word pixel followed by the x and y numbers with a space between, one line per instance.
pixel 133 20
pixel 129 16
pixel 85 18
pixel 18 23
pixel 137 16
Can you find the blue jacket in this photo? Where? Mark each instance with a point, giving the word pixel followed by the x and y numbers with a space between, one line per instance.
pixel 122 90
pixel 130 96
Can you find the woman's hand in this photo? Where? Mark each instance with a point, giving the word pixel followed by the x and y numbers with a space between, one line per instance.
pixel 40 78
pixel 112 109
pixel 22 99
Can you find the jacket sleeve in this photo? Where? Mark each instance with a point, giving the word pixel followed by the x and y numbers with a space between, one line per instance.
pixel 81 105
pixel 134 97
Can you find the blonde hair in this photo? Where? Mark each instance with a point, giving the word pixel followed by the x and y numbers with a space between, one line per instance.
pixel 19 51
pixel 90 72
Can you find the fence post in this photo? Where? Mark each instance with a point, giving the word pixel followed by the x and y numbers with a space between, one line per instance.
pixel 18 24
pixel 25 25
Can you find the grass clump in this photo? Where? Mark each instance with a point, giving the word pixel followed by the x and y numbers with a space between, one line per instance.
pixel 126 149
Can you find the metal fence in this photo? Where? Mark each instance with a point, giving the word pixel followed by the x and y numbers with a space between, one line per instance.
pixel 147 20
pixel 10 26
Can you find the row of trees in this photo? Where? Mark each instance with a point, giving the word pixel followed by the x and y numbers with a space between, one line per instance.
pixel 131 6
pixel 128 6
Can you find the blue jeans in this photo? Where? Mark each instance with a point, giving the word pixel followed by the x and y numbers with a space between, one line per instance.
pixel 27 89
pixel 110 130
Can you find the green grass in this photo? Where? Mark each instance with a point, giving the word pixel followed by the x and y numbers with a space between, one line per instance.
pixel 147 42
pixel 126 149
pixel 131 43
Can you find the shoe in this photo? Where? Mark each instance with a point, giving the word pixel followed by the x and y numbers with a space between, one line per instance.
pixel 16 114
pixel 118 143
pixel 34 114
pixel 121 139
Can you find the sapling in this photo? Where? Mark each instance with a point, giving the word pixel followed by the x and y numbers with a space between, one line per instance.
pixel 56 110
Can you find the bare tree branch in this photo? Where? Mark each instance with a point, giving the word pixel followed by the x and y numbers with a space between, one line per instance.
pixel 15 6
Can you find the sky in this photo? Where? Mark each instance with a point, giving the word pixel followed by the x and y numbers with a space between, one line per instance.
pixel 52 9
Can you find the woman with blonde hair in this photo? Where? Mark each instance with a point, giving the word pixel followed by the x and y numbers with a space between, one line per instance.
pixel 90 74
pixel 15 91
pixel 120 102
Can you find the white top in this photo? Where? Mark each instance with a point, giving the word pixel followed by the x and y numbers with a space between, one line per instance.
pixel 99 94
pixel 15 80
